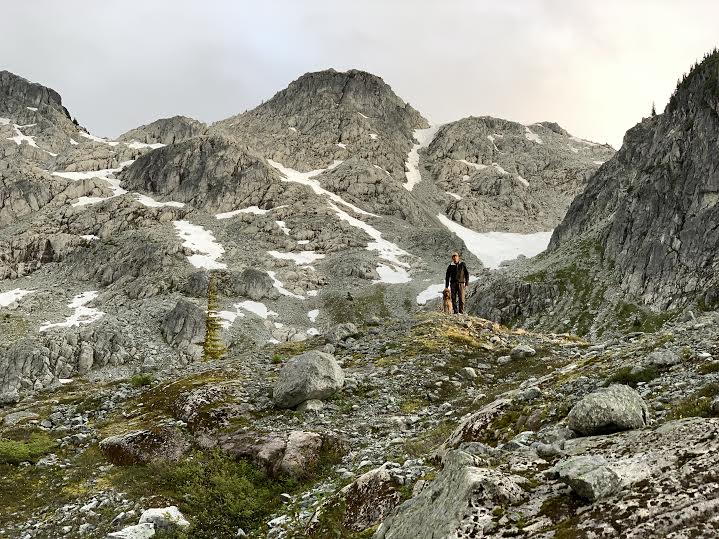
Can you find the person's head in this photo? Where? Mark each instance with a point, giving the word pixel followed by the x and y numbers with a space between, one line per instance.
pixel 455 256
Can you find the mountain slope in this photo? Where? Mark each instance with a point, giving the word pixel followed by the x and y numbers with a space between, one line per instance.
pixel 640 242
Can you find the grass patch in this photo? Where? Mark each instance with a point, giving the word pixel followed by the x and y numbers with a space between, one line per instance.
pixel 631 376
pixel 142 380
pixel 411 405
pixel 29 449
pixel 696 405
pixel 709 368
pixel 428 441
pixel 632 317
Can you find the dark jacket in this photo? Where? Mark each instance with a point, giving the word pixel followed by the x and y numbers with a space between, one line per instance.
pixel 456 273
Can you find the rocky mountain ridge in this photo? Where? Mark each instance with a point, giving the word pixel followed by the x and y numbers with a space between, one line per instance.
pixel 326 215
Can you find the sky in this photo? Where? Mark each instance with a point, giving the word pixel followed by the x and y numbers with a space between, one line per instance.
pixel 593 67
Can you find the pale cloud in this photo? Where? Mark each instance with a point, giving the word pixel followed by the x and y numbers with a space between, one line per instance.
pixel 593 67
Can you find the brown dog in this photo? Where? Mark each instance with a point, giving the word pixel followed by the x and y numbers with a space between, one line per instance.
pixel 447 301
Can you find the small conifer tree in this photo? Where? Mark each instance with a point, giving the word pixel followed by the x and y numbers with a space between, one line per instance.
pixel 213 347
pixel 654 109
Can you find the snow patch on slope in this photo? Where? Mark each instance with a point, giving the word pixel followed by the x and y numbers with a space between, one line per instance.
pixel 424 137
pixel 10 297
pixel 202 242
pixel 82 314
pixel 493 248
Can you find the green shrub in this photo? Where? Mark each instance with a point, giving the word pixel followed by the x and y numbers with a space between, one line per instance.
pixel 37 445
pixel 696 405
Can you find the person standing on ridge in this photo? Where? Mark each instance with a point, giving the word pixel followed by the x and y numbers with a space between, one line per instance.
pixel 456 280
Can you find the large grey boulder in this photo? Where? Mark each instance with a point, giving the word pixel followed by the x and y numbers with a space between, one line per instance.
pixel 312 375
pixel 144 446
pixel 588 476
pixel 364 502
pixel 164 518
pixel 615 408
pixel 166 131
pixel 137 531
pixel 184 327
pixel 459 503
pixel 662 358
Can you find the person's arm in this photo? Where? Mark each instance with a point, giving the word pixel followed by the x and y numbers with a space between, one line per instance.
pixel 446 277
pixel 466 276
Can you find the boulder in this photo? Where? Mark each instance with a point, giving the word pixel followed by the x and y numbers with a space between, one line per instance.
pixel 611 409
pixel 588 476
pixel 662 359
pixel 312 375
pixel 340 332
pixel 459 503
pixel 472 426
pixel 521 351
pixel 364 502
pixel 138 531
pixel 13 418
pixel 164 518
pixel 144 446
pixel 302 453
pixel 184 327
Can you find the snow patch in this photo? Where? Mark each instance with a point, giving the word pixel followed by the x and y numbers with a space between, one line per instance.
pixel 492 248
pixel 98 139
pixel 34 109
pixel 137 145
pixel 363 116
pixel 255 307
pixel 82 314
pixel 312 293
pixel 305 178
pixel 283 227
pixel 429 293
pixel 303 257
pixel 575 150
pixel 342 145
pixel 10 297
pixel 312 332
pixel 19 138
pixel 392 274
pixel 251 209
pixel 313 314
pixel 499 168
pixel 521 180
pixel 373 136
pixel 530 135
pixel 281 288
pixel 73 142
pixel 454 195
pixel 424 137
pixel 4 121
pixel 152 203
pixel 582 141
pixel 201 241
pixel 598 162
pixel 292 129
pixel 89 237
pixel 478 166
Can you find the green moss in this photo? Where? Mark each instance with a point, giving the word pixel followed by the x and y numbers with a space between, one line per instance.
pixel 632 317
pixel 29 449
pixel 631 376
pixel 696 405
pixel 142 380
pixel 429 440
pixel 708 368
pixel 412 404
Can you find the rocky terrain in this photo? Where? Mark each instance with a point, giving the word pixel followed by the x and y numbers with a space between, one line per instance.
pixel 576 401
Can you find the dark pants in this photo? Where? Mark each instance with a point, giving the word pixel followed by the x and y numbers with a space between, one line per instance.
pixel 457 290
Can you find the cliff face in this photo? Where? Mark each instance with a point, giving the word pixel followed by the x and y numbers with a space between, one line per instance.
pixel 655 204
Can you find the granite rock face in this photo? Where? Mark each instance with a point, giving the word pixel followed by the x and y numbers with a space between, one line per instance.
pixel 505 176
pixel 306 125
pixel 166 131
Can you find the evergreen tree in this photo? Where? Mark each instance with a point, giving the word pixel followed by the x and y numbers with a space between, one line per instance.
pixel 213 347
pixel 654 109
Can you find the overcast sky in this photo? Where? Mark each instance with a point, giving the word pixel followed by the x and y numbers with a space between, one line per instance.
pixel 593 67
